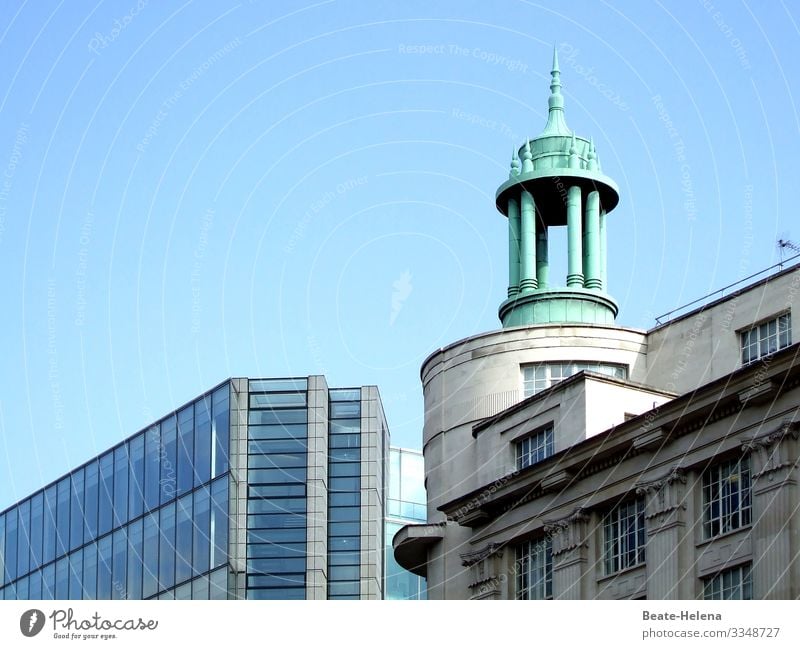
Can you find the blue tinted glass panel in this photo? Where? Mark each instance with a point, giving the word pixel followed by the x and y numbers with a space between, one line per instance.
pixel 276 593
pixel 219 522
pixel 344 543
pixel 278 460
pixel 166 558
pixel 49 581
pixel 22 588
pixel 136 477
pixel 287 580
pixel 218 585
pixel 276 491
pixel 36 585
pixel 90 571
pixel 3 578
pixel 23 538
pixel 183 539
pixel 48 525
pixel 201 547
pixel 37 512
pixel 344 484
pixel 345 410
pixel 91 495
pixel 278 400
pixel 276 476
pixel 220 430
pixel 278 431
pixel 343 588
pixel 62 578
pixel 344 469
pixel 76 510
pixel 200 588
pixel 12 524
pixel 119 565
pixel 152 467
pixel 345 499
pixel 278 385
pixel 202 441
pixel 276 505
pixel 343 426
pixel 344 455
pixel 150 551
pixel 344 529
pixel 76 575
pixel 286 535
pixel 348 440
pixel 275 521
pixel 344 514
pixel 169 459
pixel 275 566
pixel 277 446
pixel 135 560
pixel 62 518
pixel 272 417
pixel 343 573
pixel 185 449
pixel 344 558
pixel 106 494
pixel 276 550
pixel 120 485
pixel 104 548
pixel 345 394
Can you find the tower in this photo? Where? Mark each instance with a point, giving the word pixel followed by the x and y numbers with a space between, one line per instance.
pixel 556 181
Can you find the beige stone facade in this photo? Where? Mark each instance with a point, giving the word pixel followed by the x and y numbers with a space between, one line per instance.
pixel 678 480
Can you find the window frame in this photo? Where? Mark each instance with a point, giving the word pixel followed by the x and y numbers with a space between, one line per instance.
pixel 619 553
pixel 714 585
pixel 533 558
pixel 729 518
pixel 548 378
pixel 535 447
pixel 755 339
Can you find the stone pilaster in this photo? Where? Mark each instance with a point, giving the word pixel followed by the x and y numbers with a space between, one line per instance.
pixel 487 573
pixel 669 549
pixel 317 490
pixel 570 554
pixel 773 465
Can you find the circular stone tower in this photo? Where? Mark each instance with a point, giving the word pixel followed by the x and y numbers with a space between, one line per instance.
pixel 556 180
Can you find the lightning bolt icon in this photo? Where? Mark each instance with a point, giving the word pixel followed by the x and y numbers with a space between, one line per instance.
pixel 32 621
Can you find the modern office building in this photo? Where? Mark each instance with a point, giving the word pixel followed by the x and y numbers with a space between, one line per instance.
pixel 405 503
pixel 258 489
pixel 569 457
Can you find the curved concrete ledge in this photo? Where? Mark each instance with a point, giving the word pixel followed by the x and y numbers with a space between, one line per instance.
pixel 411 544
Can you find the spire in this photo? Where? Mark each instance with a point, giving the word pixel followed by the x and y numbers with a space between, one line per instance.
pixel 514 164
pixel 574 160
pixel 556 125
pixel 527 157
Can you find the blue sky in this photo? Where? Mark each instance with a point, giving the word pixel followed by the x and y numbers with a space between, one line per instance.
pixel 192 191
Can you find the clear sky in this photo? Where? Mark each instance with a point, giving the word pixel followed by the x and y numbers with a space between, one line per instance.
pixel 192 191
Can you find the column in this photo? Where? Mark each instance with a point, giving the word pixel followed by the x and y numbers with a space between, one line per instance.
pixel 591 241
pixel 542 268
pixel 773 466
pixel 570 554
pixel 574 238
pixel 603 256
pixel 669 542
pixel 527 266
pixel 317 490
pixel 513 246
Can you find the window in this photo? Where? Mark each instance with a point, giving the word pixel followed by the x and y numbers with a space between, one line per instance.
pixel 541 376
pixel 535 448
pixel 726 497
pixel 767 338
pixel 535 570
pixel 735 583
pixel 624 533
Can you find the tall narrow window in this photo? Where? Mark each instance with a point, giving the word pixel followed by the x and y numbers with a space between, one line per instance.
pixel 624 532
pixel 535 570
pixel 726 497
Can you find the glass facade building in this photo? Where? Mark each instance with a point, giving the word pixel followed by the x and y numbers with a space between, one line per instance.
pixel 406 503
pixel 258 489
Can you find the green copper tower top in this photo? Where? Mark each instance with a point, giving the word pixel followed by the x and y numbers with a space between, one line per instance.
pixel 555 180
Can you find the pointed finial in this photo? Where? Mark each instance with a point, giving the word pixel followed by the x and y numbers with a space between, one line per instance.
pixel 592 157
pixel 572 148
pixel 514 164
pixel 574 159
pixel 555 59
pixel 527 157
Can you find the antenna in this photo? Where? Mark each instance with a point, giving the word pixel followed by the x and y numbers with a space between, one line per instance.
pixel 785 243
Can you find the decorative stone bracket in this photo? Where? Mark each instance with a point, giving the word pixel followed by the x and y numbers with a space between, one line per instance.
pixel 664 495
pixel 775 450
pixel 486 571
pixel 569 532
